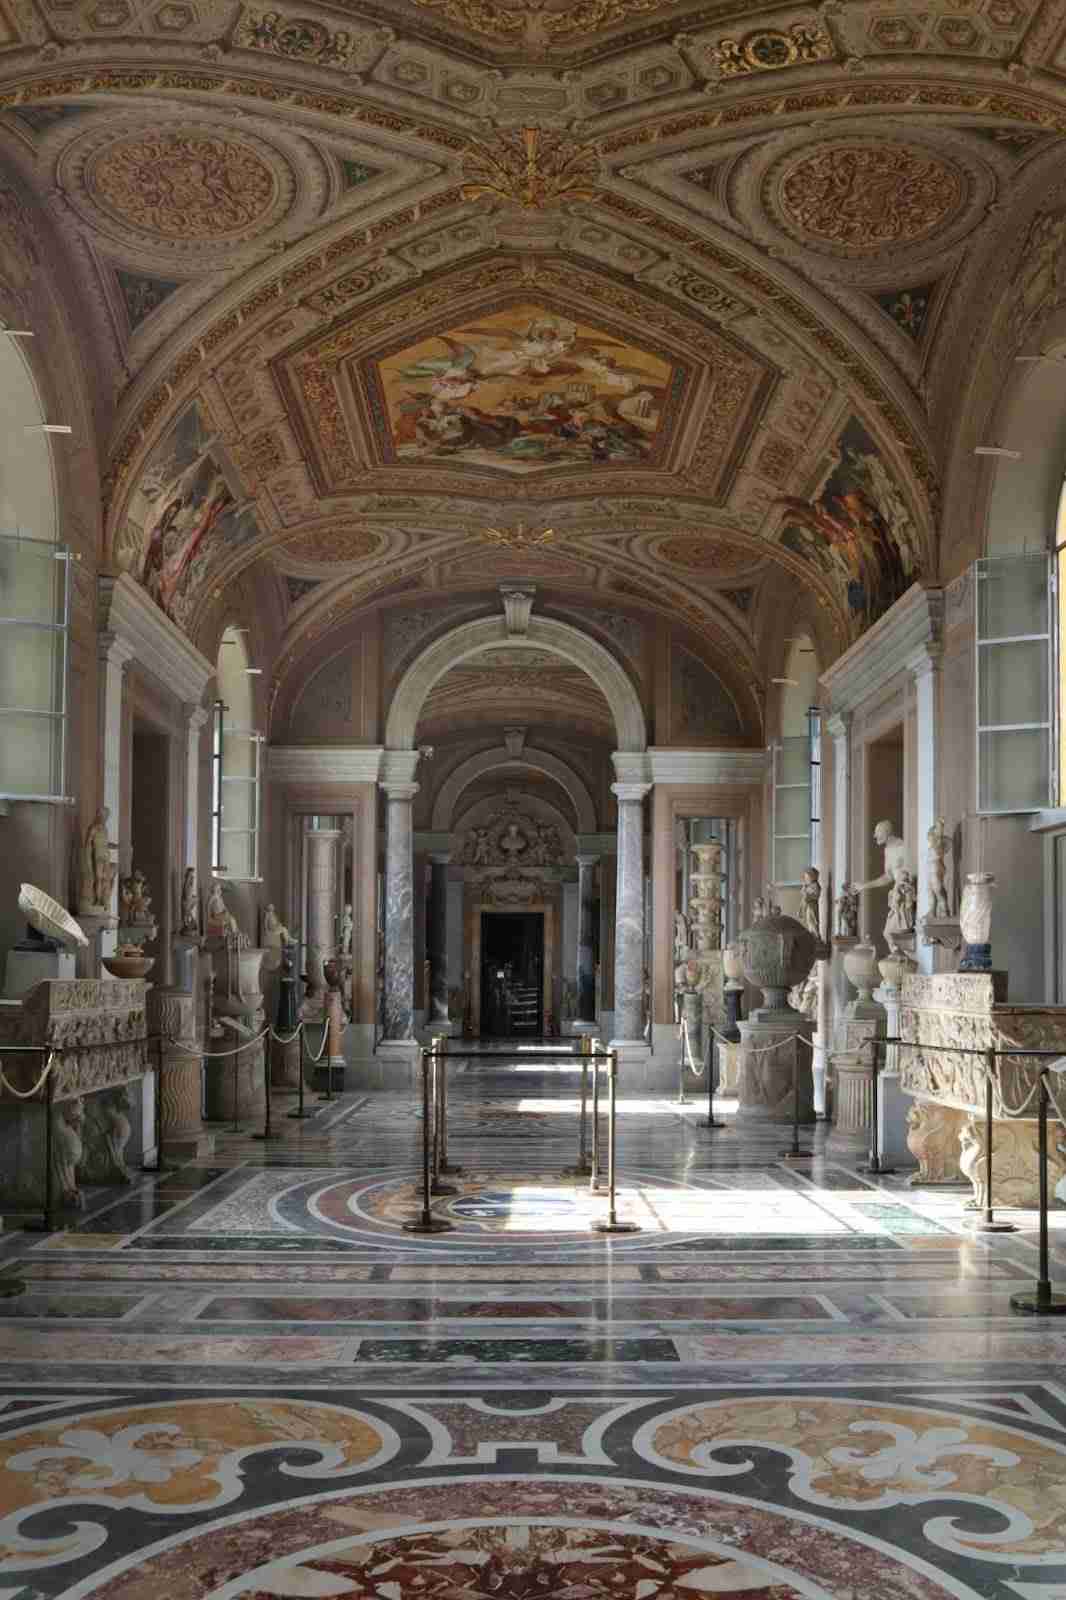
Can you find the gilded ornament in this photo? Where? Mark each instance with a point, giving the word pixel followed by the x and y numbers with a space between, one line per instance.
pixel 538 24
pixel 518 537
pixel 698 554
pixel 533 168
pixel 770 49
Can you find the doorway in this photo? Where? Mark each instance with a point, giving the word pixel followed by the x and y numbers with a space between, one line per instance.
pixel 512 967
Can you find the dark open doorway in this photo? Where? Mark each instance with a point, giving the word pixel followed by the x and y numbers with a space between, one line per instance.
pixel 512 967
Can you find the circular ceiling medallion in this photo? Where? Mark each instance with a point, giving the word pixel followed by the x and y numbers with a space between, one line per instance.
pixel 183 185
pixel 859 198
pixel 699 553
pixel 332 546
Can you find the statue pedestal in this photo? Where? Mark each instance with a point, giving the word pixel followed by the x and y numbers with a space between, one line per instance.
pixel 172 1013
pixel 853 1077
pixel 765 1076
pixel 25 968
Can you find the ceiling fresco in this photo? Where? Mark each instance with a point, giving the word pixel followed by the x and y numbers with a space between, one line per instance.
pixel 525 390
pixel 317 357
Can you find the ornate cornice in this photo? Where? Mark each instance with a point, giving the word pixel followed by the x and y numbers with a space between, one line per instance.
pixel 128 617
pixel 906 639
pixel 306 764
pixel 708 766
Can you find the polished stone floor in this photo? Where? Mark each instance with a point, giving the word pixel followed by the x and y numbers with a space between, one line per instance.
pixel 244 1378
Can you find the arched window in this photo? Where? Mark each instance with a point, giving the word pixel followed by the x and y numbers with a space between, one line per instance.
pixel 34 595
pixel 796 768
pixel 236 765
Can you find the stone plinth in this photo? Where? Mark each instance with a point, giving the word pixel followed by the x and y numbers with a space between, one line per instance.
pixel 970 1010
pixel 728 1069
pixel 765 1076
pixel 853 1104
pixel 172 1015
pixel 97 1029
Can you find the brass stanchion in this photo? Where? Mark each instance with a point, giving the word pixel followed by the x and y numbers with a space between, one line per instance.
pixel 47 1222
pixel 987 1223
pixel 581 1167
pixel 594 1168
pixel 445 1164
pixel 794 1153
pixel 875 1166
pixel 712 1120
pixel 300 1113
pixel 436 1186
pixel 612 1224
pixel 268 1131
pixel 1042 1301
pixel 426 1222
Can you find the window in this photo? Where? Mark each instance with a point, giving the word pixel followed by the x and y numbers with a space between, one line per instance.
pixel 792 811
pixel 34 630
pixel 1014 684
pixel 236 765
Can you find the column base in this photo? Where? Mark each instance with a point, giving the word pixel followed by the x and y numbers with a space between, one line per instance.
pixel 577 1030
pixel 188 1147
pixel 632 1054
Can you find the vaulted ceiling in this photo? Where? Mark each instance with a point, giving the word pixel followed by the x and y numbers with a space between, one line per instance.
pixel 722 345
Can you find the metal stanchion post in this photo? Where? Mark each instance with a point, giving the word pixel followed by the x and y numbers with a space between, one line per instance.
pixel 426 1222
pixel 581 1168
pixel 686 1050
pixel 712 1121
pixel 47 1222
pixel 875 1166
pixel 445 1164
pixel 236 1088
pixel 300 1113
pixel 987 1223
pixel 594 1169
pixel 794 1153
pixel 1042 1301
pixel 268 1132
pixel 612 1224
pixel 436 1186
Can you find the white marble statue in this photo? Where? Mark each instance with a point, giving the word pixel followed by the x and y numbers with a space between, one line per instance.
pixel 936 869
pixel 190 904
pixel 682 936
pixel 811 897
pixel 847 912
pixel 901 899
pixel 221 923
pixel 97 874
pixel 275 933
pixel 347 930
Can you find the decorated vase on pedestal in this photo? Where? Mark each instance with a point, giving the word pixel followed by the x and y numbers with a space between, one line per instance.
pixel 975 920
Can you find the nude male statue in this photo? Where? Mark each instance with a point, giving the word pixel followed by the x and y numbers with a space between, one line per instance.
pixel 900 919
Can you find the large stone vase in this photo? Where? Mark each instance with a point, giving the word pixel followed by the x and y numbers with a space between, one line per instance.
pixel 776 954
pixel 975 920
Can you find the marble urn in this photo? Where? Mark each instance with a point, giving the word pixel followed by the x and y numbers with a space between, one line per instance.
pixel 975 920
pixel 776 953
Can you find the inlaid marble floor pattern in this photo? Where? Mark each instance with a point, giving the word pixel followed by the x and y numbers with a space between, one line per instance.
pixel 243 1378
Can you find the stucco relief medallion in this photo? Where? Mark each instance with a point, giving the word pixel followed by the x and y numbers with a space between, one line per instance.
pixel 707 554
pixel 857 199
pixel 179 185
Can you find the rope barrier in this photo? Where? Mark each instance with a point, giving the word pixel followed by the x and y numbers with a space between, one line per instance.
pixel 766 1049
pixel 29 1094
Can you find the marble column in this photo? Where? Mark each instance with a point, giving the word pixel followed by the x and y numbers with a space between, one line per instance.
pixel 114 654
pixel 586 957
pixel 399 911
pixel 629 919
pixel 321 845
pixel 925 670
pixel 437 1017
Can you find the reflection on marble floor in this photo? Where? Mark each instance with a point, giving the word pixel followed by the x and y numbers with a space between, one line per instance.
pixel 245 1379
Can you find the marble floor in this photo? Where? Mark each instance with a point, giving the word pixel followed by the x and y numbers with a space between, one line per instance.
pixel 243 1378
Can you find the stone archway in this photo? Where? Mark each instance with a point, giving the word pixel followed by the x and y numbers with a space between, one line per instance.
pixel 516 630
pixel 541 633
pixel 501 759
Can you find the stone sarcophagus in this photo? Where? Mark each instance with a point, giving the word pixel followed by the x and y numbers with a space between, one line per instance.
pixel 96 1030
pixel 950 1011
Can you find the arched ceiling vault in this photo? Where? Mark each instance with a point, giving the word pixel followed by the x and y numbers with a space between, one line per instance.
pixel 726 357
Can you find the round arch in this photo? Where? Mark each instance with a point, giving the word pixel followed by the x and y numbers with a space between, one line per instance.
pixel 490 633
pixel 499 759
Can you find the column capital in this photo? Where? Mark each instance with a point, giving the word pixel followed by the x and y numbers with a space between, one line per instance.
pixel 330 834
pixel 928 659
pixel 585 858
pixel 440 858
pixel 398 766
pixel 114 650
pixel 838 724
pixel 400 791
pixel 195 716
pixel 628 793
